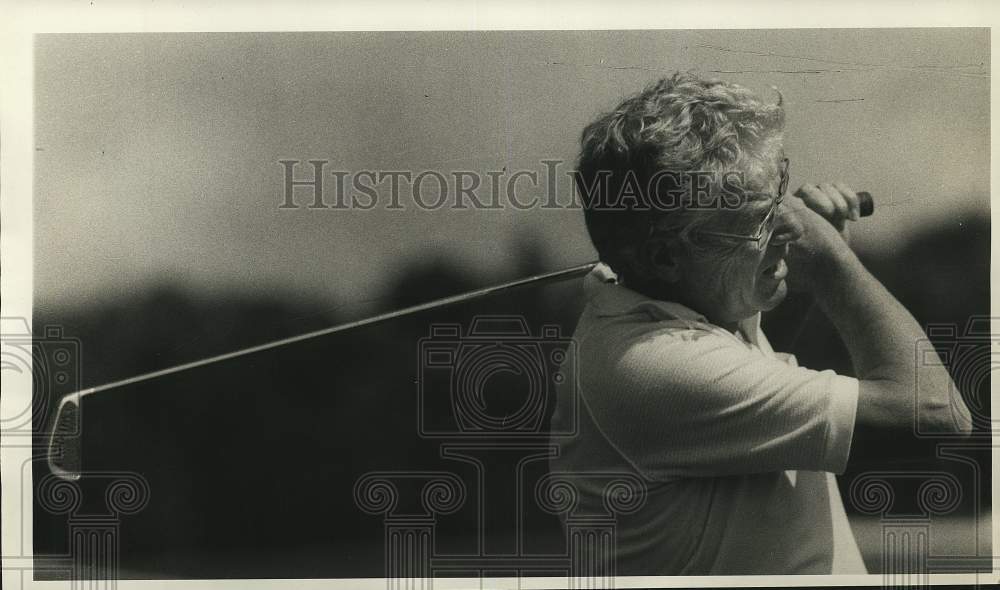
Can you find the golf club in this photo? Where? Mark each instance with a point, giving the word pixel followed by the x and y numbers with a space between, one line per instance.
pixel 64 457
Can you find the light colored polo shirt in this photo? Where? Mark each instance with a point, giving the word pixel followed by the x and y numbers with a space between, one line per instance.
pixel 736 445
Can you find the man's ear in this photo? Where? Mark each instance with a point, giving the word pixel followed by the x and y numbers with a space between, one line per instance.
pixel 660 258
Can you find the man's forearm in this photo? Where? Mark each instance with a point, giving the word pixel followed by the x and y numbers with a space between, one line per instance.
pixel 881 336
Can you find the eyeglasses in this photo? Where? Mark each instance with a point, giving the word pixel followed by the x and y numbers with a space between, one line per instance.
pixel 766 229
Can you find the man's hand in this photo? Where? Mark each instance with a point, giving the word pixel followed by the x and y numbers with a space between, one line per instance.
pixel 822 213
pixel 836 202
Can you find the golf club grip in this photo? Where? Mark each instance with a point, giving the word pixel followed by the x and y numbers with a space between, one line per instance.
pixel 866 203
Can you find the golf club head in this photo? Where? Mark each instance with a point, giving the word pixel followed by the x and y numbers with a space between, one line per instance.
pixel 64 455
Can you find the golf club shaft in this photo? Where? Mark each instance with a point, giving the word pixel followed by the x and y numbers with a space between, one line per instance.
pixel 559 275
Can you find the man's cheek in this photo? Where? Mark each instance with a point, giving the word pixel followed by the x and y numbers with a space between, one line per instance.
pixel 736 282
pixel 749 286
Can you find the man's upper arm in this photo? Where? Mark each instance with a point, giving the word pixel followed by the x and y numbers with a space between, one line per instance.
pixel 683 403
pixel 877 406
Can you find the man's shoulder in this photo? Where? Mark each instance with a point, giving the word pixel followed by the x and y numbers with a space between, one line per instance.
pixel 635 342
pixel 640 329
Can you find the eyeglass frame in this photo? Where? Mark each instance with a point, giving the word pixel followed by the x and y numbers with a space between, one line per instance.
pixel 759 236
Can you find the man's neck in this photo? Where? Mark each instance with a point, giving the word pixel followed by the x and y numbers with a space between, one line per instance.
pixel 664 293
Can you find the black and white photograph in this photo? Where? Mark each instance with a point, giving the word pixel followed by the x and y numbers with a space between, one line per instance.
pixel 541 300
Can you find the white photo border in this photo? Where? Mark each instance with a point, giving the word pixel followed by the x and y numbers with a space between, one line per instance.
pixel 23 20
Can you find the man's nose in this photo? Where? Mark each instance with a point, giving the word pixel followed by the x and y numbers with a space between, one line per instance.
pixel 788 228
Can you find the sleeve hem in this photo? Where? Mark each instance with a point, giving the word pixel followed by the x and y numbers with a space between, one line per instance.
pixel 840 425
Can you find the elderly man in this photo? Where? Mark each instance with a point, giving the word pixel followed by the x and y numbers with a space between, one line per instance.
pixel 735 444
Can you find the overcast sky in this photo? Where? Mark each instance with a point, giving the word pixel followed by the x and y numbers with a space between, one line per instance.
pixel 157 155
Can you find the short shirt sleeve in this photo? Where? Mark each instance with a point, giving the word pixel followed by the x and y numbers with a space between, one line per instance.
pixel 678 401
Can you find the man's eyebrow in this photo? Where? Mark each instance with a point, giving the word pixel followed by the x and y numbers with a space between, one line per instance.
pixel 750 213
pixel 756 198
pixel 760 206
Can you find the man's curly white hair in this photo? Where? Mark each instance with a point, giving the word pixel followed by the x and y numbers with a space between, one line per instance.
pixel 680 123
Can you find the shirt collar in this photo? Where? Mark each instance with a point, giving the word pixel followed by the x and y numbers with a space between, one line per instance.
pixel 609 298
